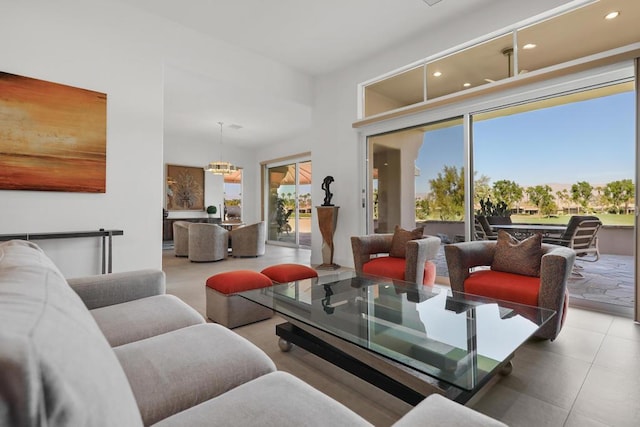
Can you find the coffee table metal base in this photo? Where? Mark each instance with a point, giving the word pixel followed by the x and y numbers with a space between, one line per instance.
pixel 386 374
pixel 294 335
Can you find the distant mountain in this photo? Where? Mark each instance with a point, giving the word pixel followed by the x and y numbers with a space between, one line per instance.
pixel 555 187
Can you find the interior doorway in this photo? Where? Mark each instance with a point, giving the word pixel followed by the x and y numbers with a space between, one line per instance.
pixel 289 206
pixel 233 197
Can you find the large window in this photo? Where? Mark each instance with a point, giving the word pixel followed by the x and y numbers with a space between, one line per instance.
pixel 417 174
pixel 522 49
pixel 561 156
pixel 548 160
pixel 548 128
pixel 543 159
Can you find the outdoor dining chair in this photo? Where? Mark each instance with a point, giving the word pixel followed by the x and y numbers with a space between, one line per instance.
pixel 483 230
pixel 581 235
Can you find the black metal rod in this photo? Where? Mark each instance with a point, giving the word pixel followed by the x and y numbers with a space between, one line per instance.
pixel 71 235
pixel 110 251
pixel 103 253
pixel 314 345
pixel 59 235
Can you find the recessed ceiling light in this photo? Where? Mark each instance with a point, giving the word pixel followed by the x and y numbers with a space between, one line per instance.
pixel 466 84
pixel 612 15
pixel 437 74
pixel 529 46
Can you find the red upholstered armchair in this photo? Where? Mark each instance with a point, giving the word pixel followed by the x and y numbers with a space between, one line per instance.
pixel 371 256
pixel 548 290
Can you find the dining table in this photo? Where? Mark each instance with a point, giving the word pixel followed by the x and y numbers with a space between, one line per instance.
pixel 526 230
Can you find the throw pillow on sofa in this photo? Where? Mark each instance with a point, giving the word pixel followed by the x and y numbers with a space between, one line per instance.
pixel 400 239
pixel 518 257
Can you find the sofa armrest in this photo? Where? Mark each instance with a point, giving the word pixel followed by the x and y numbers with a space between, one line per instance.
pixel 115 288
pixel 418 253
pixel 439 411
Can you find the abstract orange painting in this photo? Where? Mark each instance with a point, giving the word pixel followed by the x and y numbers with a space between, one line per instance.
pixel 53 137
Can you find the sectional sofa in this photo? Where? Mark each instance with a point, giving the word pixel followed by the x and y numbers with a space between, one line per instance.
pixel 115 350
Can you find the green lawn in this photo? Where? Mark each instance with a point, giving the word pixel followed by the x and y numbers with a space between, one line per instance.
pixel 607 219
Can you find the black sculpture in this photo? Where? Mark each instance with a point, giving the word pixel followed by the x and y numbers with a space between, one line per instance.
pixel 327 193
pixel 326 301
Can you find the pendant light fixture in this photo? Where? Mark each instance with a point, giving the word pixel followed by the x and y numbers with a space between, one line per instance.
pixel 220 167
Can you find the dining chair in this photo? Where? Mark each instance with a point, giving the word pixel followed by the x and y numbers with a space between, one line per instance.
pixel 248 240
pixel 486 226
pixel 207 242
pixel 483 230
pixel 181 238
pixel 581 235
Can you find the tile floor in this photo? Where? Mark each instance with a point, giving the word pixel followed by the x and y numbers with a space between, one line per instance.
pixel 589 376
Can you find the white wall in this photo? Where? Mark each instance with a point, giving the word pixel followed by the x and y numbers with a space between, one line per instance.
pixel 73 43
pixel 106 46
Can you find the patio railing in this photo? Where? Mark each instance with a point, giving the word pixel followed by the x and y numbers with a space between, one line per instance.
pixel 612 239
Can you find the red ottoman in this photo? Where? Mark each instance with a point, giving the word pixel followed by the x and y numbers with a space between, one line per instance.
pixel 284 273
pixel 231 310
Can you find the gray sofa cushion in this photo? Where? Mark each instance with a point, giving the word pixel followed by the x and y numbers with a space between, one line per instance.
pixel 278 399
pixel 437 410
pixel 188 366
pixel 144 318
pixel 115 288
pixel 56 367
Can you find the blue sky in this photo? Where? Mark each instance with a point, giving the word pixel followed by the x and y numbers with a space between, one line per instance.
pixel 589 141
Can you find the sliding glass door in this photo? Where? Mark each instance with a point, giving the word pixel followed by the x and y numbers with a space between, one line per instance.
pixel 289 203
pixel 542 160
pixel 553 158
pixel 417 177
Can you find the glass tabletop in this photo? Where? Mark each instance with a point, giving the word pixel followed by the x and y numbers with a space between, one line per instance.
pixel 457 338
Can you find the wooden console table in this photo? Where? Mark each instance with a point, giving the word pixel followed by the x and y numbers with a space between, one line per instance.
pixel 106 266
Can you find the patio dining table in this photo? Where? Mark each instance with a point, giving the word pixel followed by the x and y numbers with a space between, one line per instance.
pixel 526 230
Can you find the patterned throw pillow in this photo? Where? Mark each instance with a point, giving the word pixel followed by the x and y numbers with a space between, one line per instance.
pixel 400 239
pixel 518 257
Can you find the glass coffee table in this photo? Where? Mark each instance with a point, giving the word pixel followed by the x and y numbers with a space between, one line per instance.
pixel 409 340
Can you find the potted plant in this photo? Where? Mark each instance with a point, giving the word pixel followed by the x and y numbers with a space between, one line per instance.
pixel 498 213
pixel 211 210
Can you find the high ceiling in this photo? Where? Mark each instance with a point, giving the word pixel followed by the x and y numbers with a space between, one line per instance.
pixel 314 37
